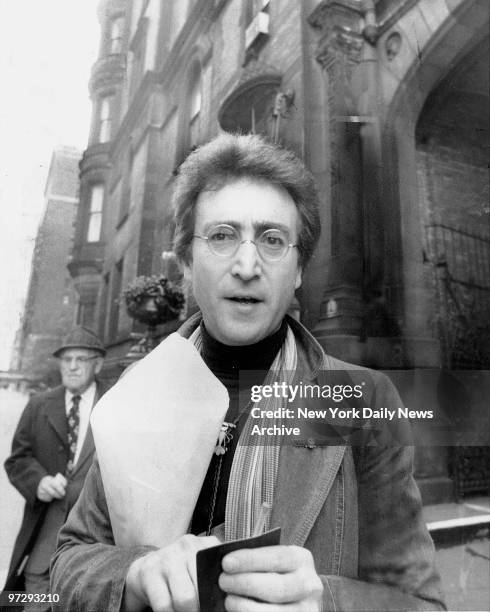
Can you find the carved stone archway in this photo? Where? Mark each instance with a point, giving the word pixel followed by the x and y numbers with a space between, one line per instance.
pixel 432 38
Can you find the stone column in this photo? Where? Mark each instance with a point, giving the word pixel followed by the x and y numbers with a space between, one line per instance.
pixel 345 51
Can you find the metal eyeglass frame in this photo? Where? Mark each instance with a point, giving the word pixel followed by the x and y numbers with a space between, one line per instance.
pixel 238 245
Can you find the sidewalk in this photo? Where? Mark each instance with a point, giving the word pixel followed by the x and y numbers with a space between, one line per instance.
pixel 461 535
pixel 11 502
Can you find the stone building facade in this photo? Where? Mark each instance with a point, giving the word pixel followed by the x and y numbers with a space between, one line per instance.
pixel 52 302
pixel 387 103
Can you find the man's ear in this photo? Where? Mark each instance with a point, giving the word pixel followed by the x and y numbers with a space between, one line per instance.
pixel 187 270
pixel 99 362
pixel 299 277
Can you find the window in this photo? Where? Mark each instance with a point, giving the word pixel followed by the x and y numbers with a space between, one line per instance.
pixel 86 313
pixel 190 120
pixel 116 35
pixel 195 107
pixel 103 305
pixel 105 119
pixel 126 196
pixel 137 56
pixel 252 107
pixel 115 299
pixel 256 18
pixel 94 226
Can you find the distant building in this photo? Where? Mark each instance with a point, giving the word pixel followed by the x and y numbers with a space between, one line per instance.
pixel 52 302
pixel 386 101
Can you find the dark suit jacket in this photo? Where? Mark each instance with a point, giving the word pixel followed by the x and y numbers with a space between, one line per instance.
pixel 40 448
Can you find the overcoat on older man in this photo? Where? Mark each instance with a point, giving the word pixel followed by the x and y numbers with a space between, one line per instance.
pixel 39 448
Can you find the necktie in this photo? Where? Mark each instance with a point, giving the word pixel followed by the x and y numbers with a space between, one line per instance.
pixel 73 426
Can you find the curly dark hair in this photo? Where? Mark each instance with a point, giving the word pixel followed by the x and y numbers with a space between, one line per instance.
pixel 231 157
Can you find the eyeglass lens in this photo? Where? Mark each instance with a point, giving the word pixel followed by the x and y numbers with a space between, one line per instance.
pixel 225 240
pixel 77 360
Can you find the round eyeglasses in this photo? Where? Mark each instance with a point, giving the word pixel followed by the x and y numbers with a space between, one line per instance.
pixel 225 240
pixel 67 361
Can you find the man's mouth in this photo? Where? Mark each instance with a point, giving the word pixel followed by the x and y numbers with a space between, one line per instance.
pixel 244 300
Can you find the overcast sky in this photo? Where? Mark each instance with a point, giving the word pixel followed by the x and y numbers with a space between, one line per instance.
pixel 47 48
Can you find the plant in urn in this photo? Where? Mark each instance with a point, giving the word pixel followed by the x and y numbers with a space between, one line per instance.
pixel 151 300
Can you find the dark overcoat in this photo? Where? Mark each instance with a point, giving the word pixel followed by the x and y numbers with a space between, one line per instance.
pixel 40 448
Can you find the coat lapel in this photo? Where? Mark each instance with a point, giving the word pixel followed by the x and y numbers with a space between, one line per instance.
pixel 56 415
pixel 86 452
pixel 88 447
pixel 304 479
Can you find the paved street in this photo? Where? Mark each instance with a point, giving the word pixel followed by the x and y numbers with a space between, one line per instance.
pixel 11 503
pixel 465 570
pixel 464 567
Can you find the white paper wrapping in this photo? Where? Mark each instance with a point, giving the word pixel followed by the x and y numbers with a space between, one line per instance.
pixel 155 432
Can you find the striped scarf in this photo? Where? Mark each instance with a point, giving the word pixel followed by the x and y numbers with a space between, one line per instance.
pixel 254 469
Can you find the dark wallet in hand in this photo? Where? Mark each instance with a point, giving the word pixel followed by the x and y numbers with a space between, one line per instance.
pixel 211 597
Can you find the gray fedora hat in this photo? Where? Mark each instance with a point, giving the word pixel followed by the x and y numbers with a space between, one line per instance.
pixel 81 337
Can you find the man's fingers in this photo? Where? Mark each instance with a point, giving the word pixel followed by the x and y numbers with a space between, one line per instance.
pixel 59 489
pixel 272 587
pixel 49 488
pixel 193 545
pixel 56 491
pixel 279 575
pixel 205 542
pixel 157 593
pixel 182 590
pixel 234 603
pixel 61 479
pixel 280 559
pixel 165 578
pixel 44 497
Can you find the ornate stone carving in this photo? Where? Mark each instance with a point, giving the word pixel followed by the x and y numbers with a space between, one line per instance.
pixel 393 45
pixel 340 23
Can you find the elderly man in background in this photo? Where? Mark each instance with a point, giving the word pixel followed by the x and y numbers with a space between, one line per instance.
pixel 353 537
pixel 52 450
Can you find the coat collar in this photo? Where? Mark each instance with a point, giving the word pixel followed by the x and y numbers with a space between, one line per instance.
pixel 56 415
pixel 305 475
pixel 309 348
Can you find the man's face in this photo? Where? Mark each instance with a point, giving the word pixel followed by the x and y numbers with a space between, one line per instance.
pixel 78 368
pixel 243 298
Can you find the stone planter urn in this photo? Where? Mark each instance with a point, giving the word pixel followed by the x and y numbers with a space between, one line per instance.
pixel 153 301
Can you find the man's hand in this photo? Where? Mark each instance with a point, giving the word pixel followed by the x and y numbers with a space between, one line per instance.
pixel 51 487
pixel 279 577
pixel 166 579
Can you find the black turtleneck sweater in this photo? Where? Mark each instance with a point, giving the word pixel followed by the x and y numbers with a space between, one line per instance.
pixel 238 368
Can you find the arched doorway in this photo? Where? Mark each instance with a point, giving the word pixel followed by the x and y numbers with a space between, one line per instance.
pixel 434 129
pixel 452 136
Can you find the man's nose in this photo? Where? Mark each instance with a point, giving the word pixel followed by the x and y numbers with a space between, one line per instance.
pixel 247 263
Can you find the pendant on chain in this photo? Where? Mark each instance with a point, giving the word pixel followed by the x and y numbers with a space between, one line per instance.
pixel 225 436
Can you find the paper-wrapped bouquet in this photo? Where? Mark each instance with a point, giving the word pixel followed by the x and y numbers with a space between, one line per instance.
pixel 155 432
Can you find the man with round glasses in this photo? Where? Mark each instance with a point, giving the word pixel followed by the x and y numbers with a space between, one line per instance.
pixel 52 450
pixel 247 223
